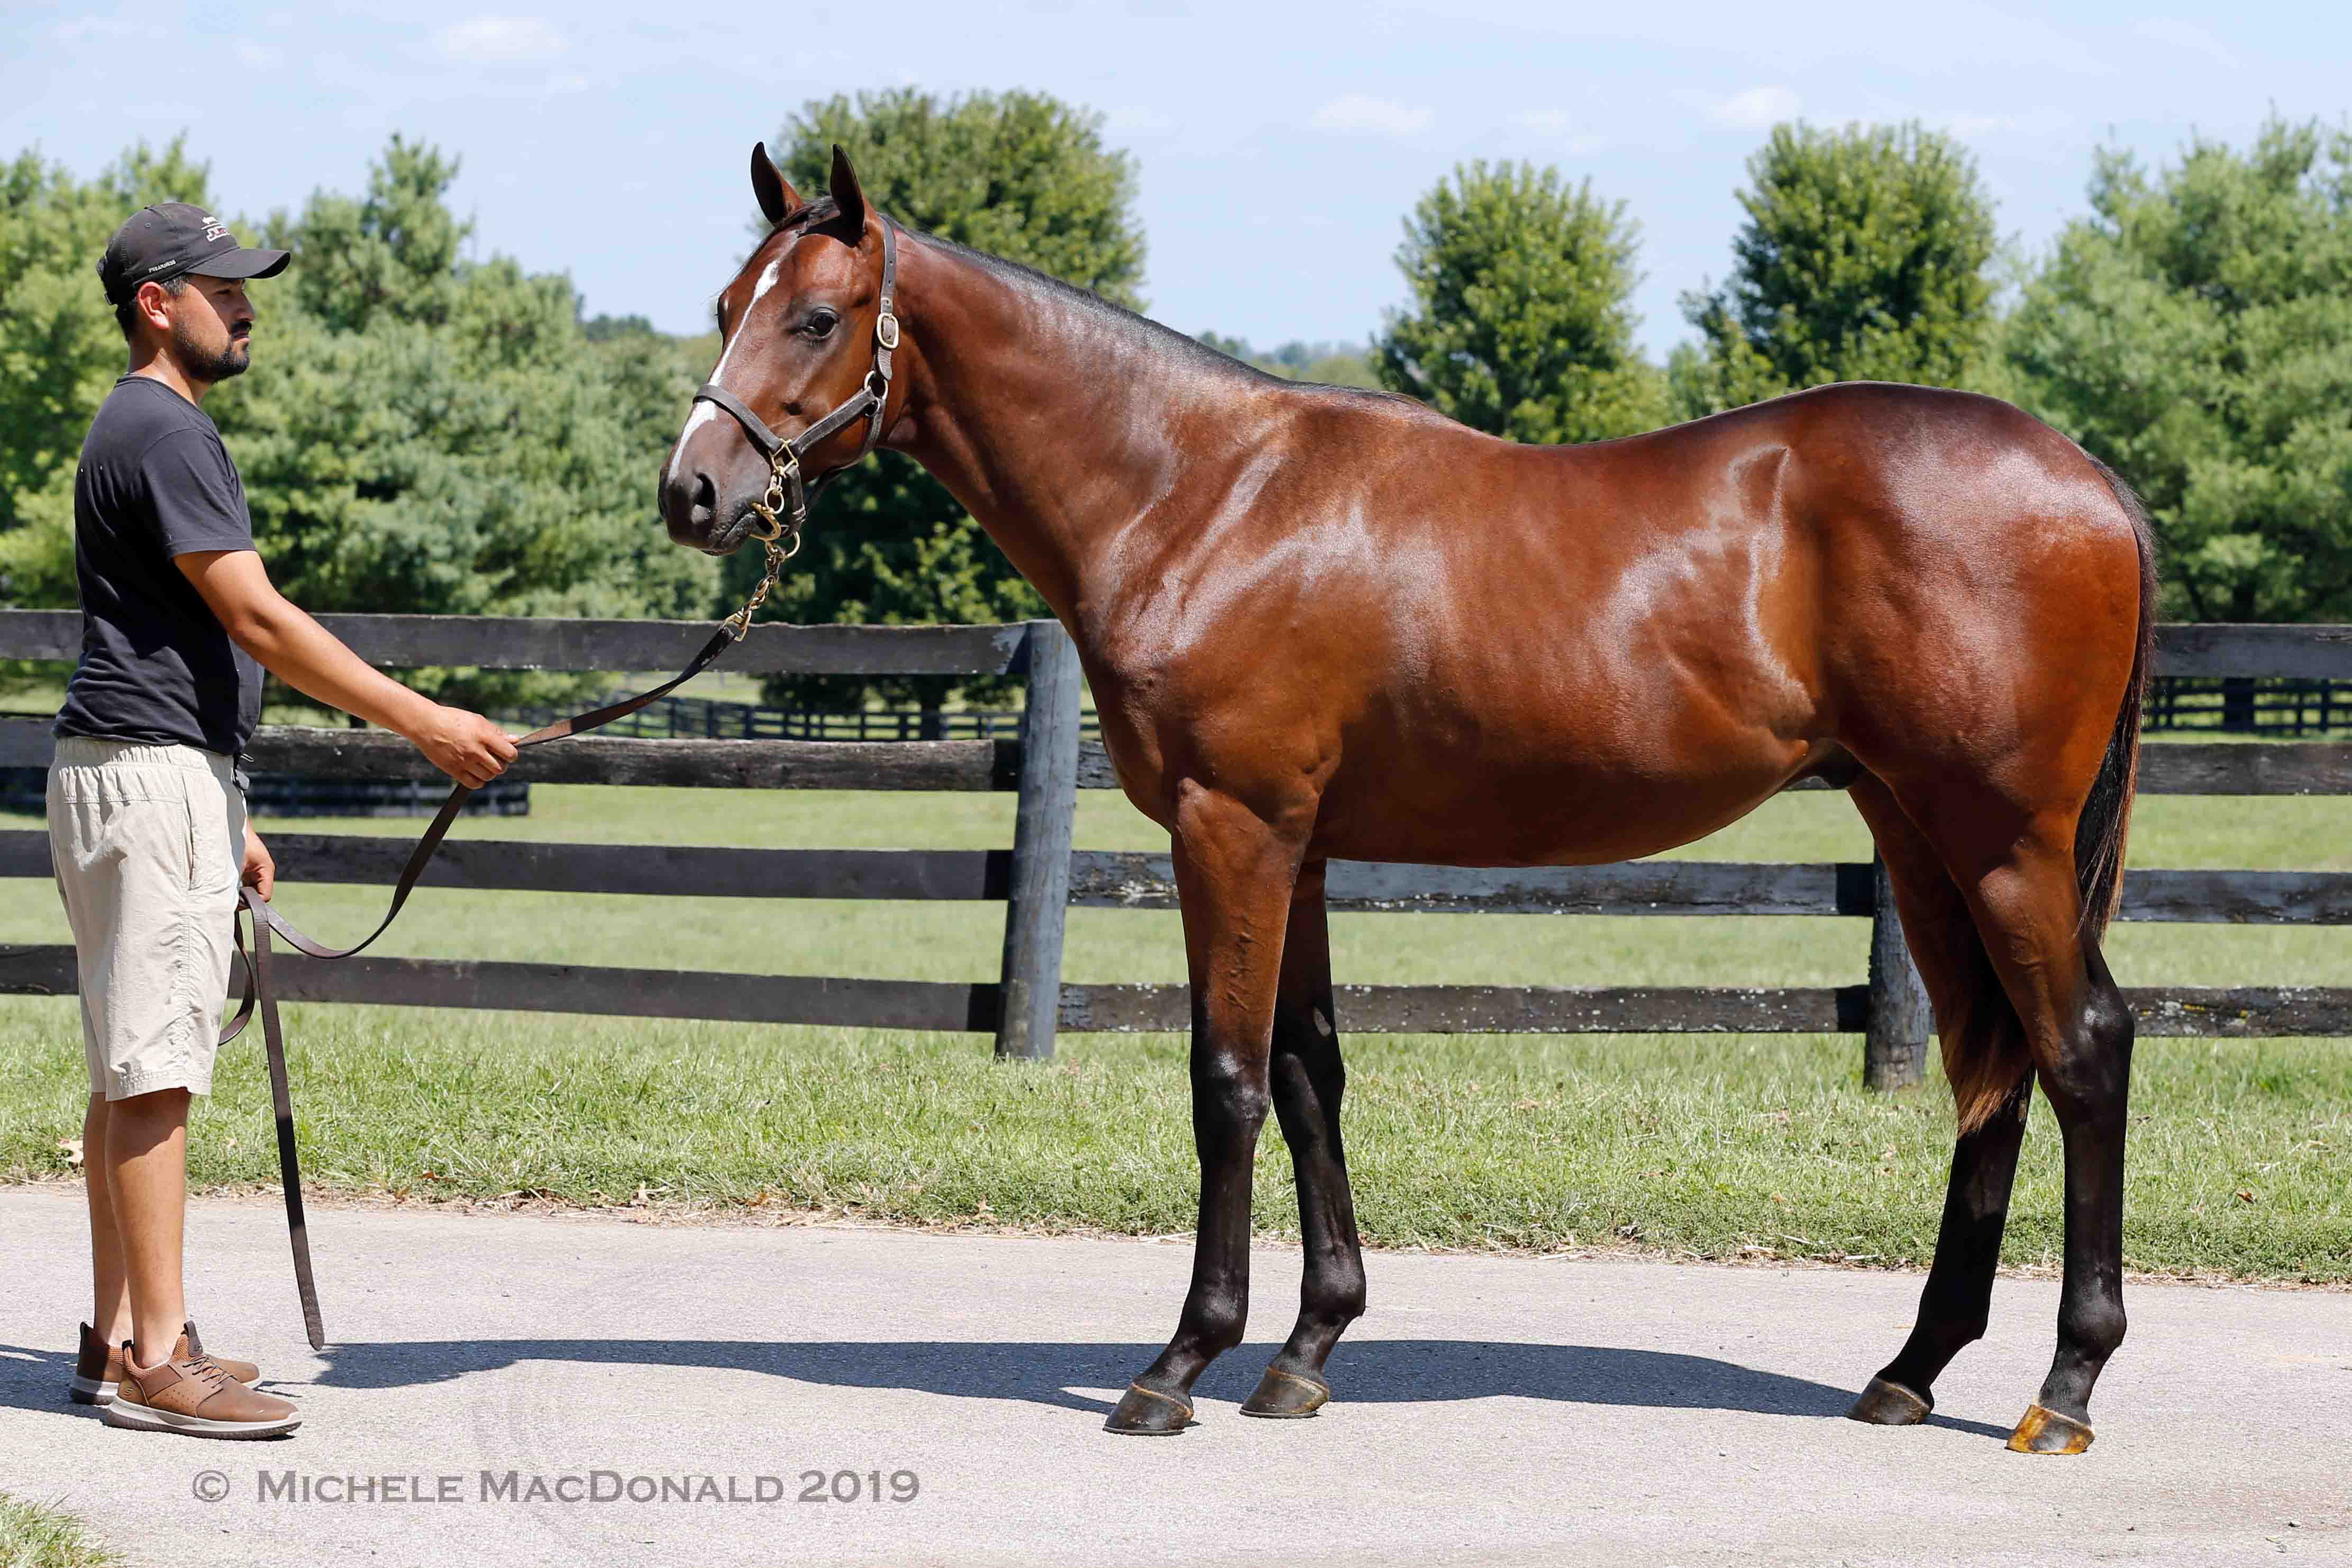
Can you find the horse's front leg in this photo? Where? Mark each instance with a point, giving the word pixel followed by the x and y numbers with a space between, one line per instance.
pixel 1235 873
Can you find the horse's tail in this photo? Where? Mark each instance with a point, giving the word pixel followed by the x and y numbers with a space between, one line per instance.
pixel 2105 823
pixel 1999 1064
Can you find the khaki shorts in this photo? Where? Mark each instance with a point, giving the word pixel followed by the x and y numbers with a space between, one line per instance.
pixel 148 843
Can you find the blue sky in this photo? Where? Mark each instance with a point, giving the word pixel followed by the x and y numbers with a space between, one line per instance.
pixel 1279 146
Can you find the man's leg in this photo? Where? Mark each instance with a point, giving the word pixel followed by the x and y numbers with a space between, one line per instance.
pixel 109 1311
pixel 147 1175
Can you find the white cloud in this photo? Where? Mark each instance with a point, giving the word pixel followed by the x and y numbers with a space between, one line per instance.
pixel 499 40
pixel 1355 114
pixel 2183 34
pixel 261 57
pixel 1548 121
pixel 1757 108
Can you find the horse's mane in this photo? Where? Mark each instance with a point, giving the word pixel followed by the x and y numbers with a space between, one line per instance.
pixel 1160 341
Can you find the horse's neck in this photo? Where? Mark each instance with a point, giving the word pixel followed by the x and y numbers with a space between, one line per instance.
pixel 1054 428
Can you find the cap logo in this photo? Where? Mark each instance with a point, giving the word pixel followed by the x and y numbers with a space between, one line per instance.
pixel 218 231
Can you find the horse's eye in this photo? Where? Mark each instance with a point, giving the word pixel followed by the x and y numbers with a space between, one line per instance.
pixel 820 324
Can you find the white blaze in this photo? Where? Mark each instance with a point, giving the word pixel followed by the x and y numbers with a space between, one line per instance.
pixel 705 411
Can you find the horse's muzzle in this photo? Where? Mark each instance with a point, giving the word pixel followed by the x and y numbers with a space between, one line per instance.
pixel 693 513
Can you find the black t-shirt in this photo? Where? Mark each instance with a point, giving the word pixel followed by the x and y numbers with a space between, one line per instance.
pixel 156 667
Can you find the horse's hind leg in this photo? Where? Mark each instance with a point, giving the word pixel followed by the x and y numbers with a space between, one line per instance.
pixel 2080 1032
pixel 1307 1081
pixel 2016 867
pixel 1981 1039
pixel 1234 873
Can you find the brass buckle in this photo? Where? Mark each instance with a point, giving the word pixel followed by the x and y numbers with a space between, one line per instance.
pixel 885 330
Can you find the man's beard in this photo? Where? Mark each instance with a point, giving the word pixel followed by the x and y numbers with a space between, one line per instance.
pixel 208 365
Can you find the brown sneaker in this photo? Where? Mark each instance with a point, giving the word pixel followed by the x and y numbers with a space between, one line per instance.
pixel 192 1395
pixel 98 1368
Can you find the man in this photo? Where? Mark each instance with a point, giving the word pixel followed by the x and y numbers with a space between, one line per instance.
pixel 147 825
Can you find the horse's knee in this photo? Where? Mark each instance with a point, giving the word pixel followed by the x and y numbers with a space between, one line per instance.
pixel 1229 1094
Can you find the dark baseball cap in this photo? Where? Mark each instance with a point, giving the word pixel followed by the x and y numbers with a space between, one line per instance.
pixel 171 238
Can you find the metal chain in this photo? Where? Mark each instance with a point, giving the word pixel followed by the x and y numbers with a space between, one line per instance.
pixel 780 550
pixel 780 539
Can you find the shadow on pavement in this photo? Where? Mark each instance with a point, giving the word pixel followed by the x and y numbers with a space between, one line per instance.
pixel 1047 1373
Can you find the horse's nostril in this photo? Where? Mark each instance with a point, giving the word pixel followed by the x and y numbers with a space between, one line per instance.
pixel 705 503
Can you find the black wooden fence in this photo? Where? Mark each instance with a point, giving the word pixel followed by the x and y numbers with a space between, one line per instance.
pixel 1040 876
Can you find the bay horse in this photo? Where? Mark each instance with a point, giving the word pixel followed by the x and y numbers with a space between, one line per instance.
pixel 1322 623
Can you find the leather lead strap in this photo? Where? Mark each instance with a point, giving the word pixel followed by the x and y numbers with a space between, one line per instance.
pixel 281 1104
pixel 261 994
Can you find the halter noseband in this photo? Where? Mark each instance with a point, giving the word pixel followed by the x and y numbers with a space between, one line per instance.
pixel 785 455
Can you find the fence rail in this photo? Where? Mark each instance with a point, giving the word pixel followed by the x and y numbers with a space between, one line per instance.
pixel 1041 876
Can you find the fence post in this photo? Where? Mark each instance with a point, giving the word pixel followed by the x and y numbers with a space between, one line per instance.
pixel 1894 1042
pixel 1038 901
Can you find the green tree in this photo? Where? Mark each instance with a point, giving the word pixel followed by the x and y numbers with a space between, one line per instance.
pixel 2195 332
pixel 1521 323
pixel 434 433
pixel 60 348
pixel 419 432
pixel 1864 257
pixel 1019 175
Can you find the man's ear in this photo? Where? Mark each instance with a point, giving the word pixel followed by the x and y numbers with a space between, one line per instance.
pixel 845 191
pixel 776 195
pixel 151 307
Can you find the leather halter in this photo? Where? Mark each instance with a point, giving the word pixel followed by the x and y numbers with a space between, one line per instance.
pixel 784 455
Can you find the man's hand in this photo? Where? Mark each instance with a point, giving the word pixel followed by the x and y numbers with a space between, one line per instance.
pixel 260 871
pixel 466 746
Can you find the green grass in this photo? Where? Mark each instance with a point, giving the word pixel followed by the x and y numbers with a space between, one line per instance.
pixel 1711 1146
pixel 32 1536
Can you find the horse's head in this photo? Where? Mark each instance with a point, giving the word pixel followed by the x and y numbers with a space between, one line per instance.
pixel 802 332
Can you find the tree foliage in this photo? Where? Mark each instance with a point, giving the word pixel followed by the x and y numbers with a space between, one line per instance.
pixel 419 431
pixel 1521 321
pixel 1019 175
pixel 1863 257
pixel 60 348
pixel 2195 332
pixel 1322 363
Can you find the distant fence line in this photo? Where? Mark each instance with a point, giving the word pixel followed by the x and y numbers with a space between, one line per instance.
pixel 2178 703
pixel 697 718
pixel 1041 876
pixel 2244 706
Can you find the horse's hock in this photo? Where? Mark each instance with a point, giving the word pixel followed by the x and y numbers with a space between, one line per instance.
pixel 1039 876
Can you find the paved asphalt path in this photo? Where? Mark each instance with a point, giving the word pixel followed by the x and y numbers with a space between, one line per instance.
pixel 1489 1410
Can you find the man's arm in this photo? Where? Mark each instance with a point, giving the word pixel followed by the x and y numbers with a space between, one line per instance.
pixel 307 657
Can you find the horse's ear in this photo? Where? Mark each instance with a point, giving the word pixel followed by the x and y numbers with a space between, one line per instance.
pixel 845 191
pixel 776 195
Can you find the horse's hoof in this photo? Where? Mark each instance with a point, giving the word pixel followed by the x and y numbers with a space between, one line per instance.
pixel 2045 1431
pixel 1287 1395
pixel 1886 1404
pixel 1148 1413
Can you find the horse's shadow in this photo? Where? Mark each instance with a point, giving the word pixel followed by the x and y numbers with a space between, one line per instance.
pixel 1052 1373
